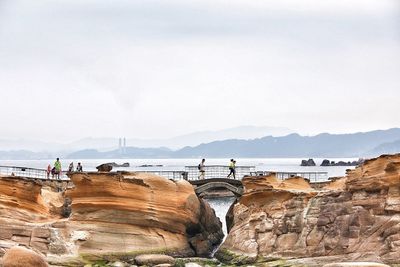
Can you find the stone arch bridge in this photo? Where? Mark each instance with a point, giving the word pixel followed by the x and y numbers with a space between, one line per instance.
pixel 218 184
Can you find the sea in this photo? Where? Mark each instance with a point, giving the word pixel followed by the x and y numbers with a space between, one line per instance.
pixel 261 164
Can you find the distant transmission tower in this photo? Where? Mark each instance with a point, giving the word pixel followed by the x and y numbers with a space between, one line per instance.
pixel 124 145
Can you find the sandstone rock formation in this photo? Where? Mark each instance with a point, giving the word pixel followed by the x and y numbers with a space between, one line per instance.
pixel 25 210
pixel 106 167
pixel 107 215
pixel 144 211
pixel 356 218
pixel 23 257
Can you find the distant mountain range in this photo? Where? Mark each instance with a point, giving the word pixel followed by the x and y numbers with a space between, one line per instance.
pixel 365 144
pixel 295 145
pixel 292 145
pixel 107 144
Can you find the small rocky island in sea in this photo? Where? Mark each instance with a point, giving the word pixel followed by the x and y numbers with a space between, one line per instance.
pixel 309 162
pixel 327 162
pixel 140 219
pixel 116 165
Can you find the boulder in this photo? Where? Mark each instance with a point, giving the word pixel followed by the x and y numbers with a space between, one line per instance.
pixel 356 264
pixel 116 165
pixel 23 257
pixel 118 264
pixel 154 259
pixel 106 167
pixel 192 264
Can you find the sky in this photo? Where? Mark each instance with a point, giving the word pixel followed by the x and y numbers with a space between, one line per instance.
pixel 155 69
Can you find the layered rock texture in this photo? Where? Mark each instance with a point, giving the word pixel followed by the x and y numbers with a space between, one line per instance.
pixel 355 218
pixel 106 215
pixel 135 211
pixel 22 257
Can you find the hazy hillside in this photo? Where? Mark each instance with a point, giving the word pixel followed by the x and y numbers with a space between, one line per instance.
pixel 130 152
pixel 293 145
pixel 386 148
pixel 108 144
pixel 23 154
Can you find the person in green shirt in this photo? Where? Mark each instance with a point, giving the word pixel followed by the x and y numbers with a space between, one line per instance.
pixel 232 167
pixel 57 167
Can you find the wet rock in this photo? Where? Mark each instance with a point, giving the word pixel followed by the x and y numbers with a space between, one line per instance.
pixel 154 259
pixel 163 265
pixel 23 257
pixel 192 264
pixel 117 264
pixel 356 264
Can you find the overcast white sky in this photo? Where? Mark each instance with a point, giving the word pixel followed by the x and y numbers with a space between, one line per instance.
pixel 74 68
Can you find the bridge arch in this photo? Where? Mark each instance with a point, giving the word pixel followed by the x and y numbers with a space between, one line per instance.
pixel 236 190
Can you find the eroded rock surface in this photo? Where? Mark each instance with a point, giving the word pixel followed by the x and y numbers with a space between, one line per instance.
pixel 136 211
pixel 107 215
pixel 355 218
pixel 23 257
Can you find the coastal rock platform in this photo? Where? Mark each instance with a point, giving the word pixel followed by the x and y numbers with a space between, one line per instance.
pixel 106 216
pixel 355 218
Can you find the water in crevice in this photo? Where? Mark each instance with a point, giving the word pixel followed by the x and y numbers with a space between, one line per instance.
pixel 221 206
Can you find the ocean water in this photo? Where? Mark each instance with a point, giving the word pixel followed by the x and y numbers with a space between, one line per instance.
pixel 221 207
pixel 261 164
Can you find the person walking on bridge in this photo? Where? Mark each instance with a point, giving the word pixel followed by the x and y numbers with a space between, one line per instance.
pixel 57 167
pixel 232 169
pixel 202 171
pixel 48 171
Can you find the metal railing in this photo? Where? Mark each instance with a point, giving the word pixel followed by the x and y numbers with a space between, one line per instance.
pixel 190 173
pixel 311 176
pixel 32 173
pixel 174 175
pixel 218 171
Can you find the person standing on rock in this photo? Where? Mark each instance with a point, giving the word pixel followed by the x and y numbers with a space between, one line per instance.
pixel 71 167
pixel 232 169
pixel 202 171
pixel 57 167
pixel 79 167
